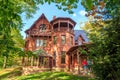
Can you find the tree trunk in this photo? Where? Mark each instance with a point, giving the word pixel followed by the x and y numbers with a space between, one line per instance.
pixel 5 61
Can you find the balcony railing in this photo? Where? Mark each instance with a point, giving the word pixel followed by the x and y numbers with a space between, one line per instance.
pixel 40 33
pixel 63 29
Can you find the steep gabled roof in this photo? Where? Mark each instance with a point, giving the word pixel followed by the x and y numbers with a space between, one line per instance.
pixel 81 33
pixel 40 18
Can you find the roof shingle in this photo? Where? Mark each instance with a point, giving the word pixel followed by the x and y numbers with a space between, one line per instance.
pixel 82 33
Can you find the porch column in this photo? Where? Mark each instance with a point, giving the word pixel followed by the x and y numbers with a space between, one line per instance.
pixel 32 60
pixel 68 25
pixel 50 63
pixel 38 61
pixel 72 61
pixel 78 60
pixel 67 61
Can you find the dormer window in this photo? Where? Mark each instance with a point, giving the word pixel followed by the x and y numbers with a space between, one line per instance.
pixel 42 28
pixel 80 40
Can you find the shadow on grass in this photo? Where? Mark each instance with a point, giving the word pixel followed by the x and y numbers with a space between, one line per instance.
pixel 52 76
pixel 11 73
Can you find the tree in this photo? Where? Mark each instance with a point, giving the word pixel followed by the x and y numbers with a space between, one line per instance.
pixel 105 35
pixel 10 19
pixel 11 46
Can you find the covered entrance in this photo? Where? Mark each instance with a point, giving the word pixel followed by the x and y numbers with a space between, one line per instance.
pixel 44 60
pixel 75 58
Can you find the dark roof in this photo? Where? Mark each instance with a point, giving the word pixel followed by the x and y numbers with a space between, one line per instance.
pixel 77 33
pixel 77 46
pixel 63 18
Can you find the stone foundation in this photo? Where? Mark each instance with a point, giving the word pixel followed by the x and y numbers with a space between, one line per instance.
pixel 33 69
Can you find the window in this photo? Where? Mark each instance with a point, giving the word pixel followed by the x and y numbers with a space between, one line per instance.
pixel 55 40
pixel 39 42
pixel 42 28
pixel 63 57
pixel 63 39
pixel 55 27
pixel 44 43
pixel 71 40
pixel 54 56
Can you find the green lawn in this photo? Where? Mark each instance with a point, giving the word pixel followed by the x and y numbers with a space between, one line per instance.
pixel 9 72
pixel 41 76
pixel 52 76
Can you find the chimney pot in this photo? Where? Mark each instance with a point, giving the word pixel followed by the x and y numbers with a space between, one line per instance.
pixel 54 17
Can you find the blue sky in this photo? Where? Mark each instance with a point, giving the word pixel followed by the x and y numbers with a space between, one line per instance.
pixel 50 11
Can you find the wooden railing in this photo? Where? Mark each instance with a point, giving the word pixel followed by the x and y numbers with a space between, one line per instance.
pixel 40 33
pixel 63 29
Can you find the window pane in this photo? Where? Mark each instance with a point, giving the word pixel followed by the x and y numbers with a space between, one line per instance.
pixel 37 42
pixel 63 39
pixel 44 43
pixel 42 28
pixel 71 40
pixel 63 57
pixel 54 60
pixel 41 42
pixel 55 40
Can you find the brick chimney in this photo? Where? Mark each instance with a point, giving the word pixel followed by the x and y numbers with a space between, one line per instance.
pixel 54 17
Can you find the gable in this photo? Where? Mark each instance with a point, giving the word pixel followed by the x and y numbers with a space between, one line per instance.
pixel 80 33
pixel 40 21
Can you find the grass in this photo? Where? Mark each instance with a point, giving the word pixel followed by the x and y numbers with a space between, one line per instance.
pixel 14 74
pixel 10 72
pixel 52 76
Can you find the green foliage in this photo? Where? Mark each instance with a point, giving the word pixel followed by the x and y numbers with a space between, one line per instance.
pixel 105 37
pixel 10 24
pixel 83 51
pixel 105 50
pixel 101 9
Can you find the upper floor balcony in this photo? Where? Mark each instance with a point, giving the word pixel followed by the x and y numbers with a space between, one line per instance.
pixel 63 27
pixel 40 33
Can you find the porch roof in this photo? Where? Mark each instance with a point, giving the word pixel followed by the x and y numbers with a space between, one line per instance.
pixel 76 47
pixel 41 52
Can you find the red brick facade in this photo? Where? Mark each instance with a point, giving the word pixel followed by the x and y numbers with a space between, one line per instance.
pixel 55 37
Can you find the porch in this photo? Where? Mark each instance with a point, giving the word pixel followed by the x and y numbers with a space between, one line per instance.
pixel 75 58
pixel 39 59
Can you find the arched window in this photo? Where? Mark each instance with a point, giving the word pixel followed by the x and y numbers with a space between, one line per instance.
pixel 42 28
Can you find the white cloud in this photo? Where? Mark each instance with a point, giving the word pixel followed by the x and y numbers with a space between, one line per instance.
pixel 74 14
pixel 82 12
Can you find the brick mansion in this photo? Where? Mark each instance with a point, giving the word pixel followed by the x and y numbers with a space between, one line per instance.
pixel 58 39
